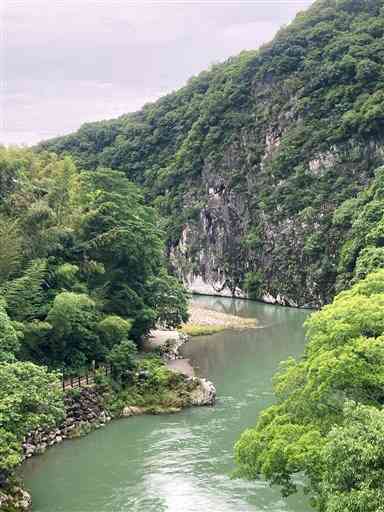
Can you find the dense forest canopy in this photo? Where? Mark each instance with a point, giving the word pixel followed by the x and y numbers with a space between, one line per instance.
pixel 249 161
pixel 82 277
pixel 79 251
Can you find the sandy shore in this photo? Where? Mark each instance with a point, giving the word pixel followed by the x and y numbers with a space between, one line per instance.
pixel 160 339
pixel 202 321
pixel 209 317
pixel 182 366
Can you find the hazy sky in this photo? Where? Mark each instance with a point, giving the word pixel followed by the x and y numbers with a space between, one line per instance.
pixel 64 62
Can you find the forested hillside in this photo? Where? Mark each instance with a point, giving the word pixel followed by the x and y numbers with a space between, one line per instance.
pixel 82 277
pixel 249 162
pixel 81 260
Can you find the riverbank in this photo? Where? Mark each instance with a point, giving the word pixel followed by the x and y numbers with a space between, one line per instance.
pixel 184 460
pixel 162 383
pixel 203 321
pixel 160 391
pixel 92 407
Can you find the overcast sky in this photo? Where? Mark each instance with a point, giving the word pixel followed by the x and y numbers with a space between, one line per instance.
pixel 64 62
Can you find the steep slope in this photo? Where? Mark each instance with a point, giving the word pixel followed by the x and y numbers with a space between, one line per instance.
pixel 250 160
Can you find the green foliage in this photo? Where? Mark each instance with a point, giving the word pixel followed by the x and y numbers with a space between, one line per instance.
pixel 362 251
pixel 10 454
pixel 370 259
pixel 343 361
pixel 74 341
pixel 67 276
pixel 121 233
pixel 253 283
pixel 82 269
pixel 9 340
pixel 153 387
pixel 30 397
pixel 122 357
pixel 353 459
pixel 10 248
pixel 24 295
pixel 169 300
pixel 102 380
pixel 114 330
pixel 201 330
pixel 82 260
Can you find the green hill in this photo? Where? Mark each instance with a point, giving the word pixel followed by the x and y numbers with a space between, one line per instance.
pixel 249 162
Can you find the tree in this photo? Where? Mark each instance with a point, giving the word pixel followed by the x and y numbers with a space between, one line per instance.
pixel 122 358
pixel 343 361
pixel 30 397
pixel 353 458
pixel 10 248
pixel 9 339
pixel 114 330
pixel 63 190
pixel 122 235
pixel 24 295
pixel 74 341
pixel 10 454
pixel 169 299
pixel 252 284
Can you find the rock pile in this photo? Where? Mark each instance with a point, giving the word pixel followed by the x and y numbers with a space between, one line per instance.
pixel 169 350
pixel 204 393
pixel 16 498
pixel 84 411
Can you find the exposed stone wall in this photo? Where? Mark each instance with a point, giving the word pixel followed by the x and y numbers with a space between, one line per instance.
pixel 84 411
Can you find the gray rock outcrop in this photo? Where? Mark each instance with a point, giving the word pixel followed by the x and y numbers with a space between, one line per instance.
pixel 204 393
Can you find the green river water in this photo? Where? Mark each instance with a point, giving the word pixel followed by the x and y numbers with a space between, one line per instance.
pixel 181 462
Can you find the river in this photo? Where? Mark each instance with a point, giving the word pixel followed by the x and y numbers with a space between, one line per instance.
pixel 181 462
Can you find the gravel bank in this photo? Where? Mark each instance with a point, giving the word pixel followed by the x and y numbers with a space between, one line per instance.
pixel 216 320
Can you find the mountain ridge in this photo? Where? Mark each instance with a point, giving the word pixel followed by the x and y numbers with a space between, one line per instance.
pixel 249 162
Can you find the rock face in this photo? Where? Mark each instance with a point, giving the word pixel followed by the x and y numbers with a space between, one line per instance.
pixel 296 254
pixel 204 393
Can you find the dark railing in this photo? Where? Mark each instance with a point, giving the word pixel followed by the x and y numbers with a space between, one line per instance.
pixel 86 379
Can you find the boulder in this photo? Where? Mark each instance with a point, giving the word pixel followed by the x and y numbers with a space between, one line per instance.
pixel 29 449
pixel 16 499
pixel 204 393
pixel 132 410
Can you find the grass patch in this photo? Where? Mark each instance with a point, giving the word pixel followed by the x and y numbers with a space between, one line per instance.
pixel 201 330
